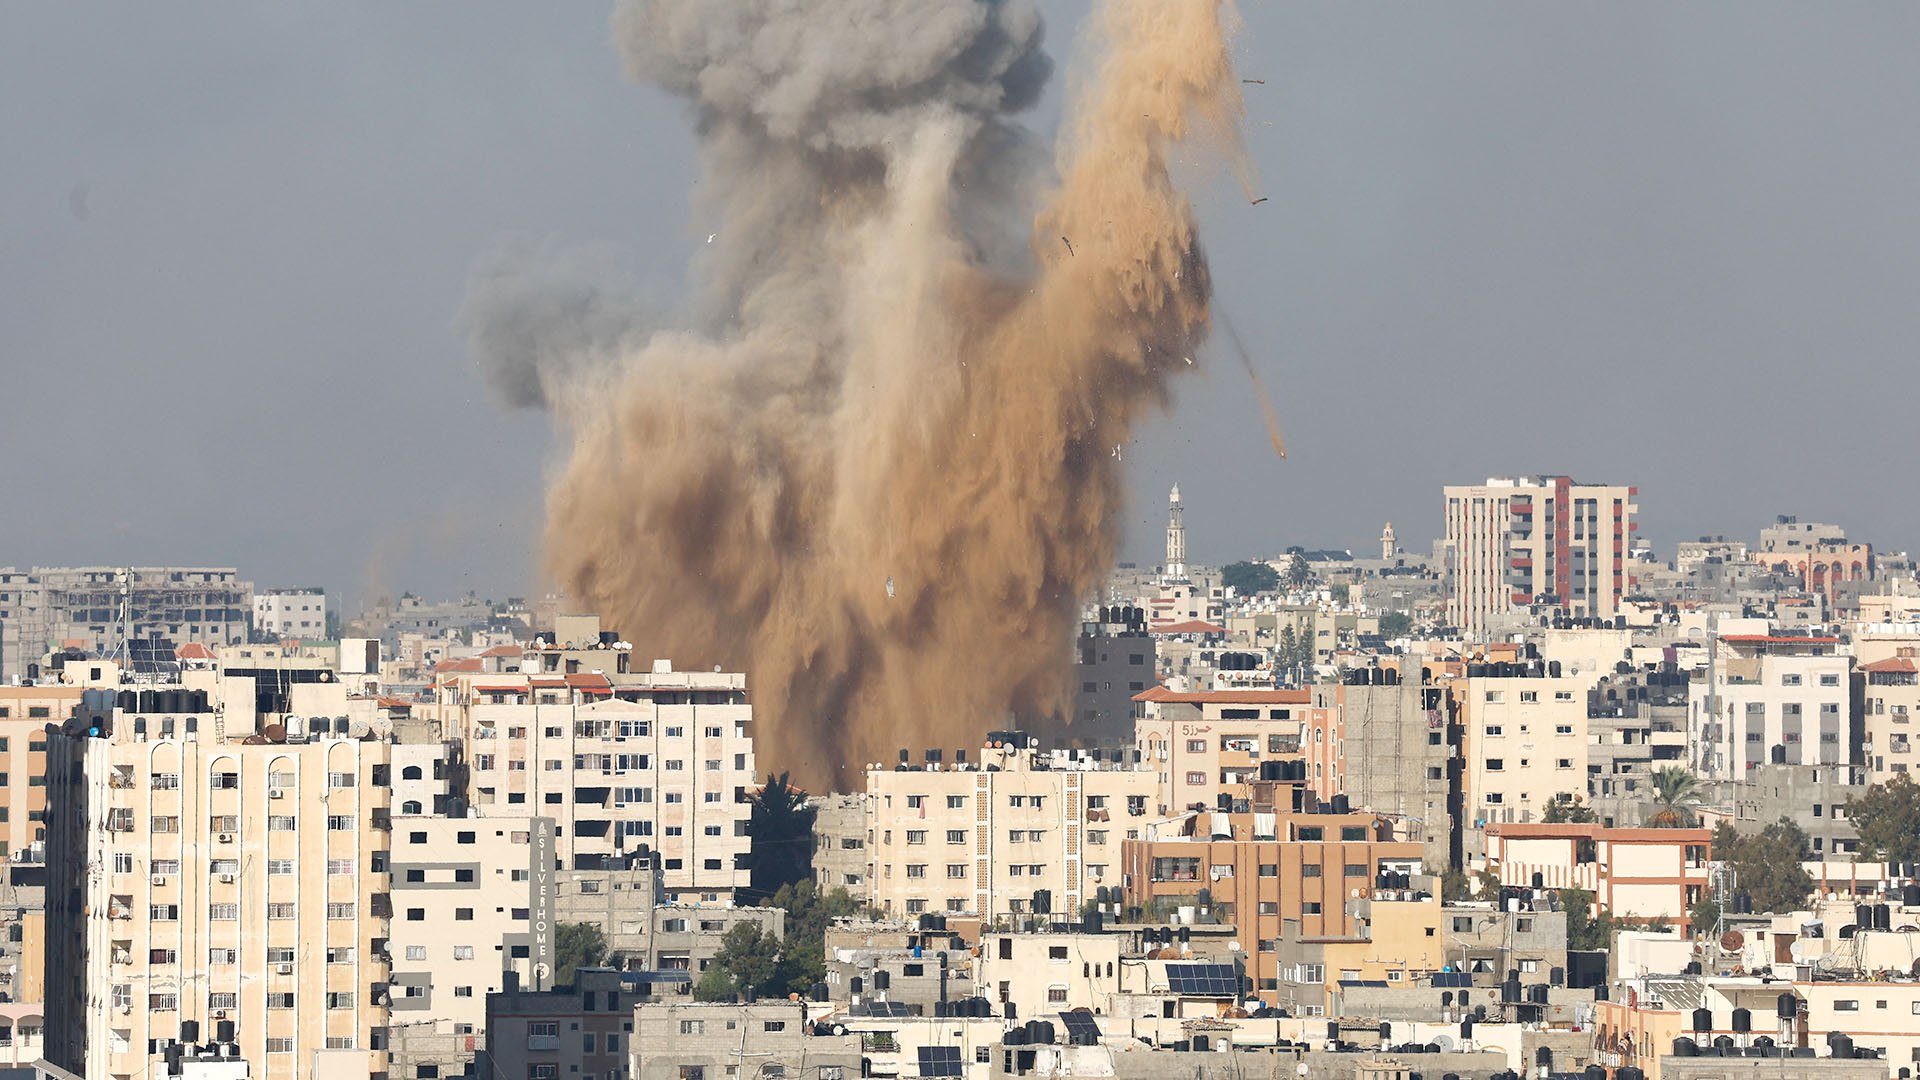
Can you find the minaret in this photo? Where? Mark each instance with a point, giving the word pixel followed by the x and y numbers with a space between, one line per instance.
pixel 1386 542
pixel 1176 539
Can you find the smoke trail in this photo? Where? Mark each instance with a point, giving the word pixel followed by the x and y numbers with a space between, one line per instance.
pixel 876 473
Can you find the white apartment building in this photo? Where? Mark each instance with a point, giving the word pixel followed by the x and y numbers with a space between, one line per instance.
pixel 661 760
pixel 1771 698
pixel 290 613
pixel 1525 742
pixel 472 898
pixel 985 838
pixel 208 881
pixel 1543 540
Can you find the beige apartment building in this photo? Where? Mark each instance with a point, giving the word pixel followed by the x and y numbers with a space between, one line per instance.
pixel 1890 707
pixel 1771 698
pixel 984 839
pixel 25 712
pixel 1542 540
pixel 1524 741
pixel 661 760
pixel 472 898
pixel 1201 743
pixel 195 880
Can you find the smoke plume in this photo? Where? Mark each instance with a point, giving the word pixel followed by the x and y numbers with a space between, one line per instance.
pixel 877 470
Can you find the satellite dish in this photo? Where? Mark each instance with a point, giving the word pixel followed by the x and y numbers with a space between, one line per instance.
pixel 1733 941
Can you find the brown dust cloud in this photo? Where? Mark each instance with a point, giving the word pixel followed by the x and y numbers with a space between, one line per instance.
pixel 876 464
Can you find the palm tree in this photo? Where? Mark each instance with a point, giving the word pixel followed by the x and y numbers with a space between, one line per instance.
pixel 781 824
pixel 1676 792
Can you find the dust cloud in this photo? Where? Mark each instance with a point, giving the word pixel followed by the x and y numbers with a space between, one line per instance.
pixel 878 469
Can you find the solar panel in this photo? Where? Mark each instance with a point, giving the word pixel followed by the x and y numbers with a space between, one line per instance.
pixel 1203 980
pixel 939 1061
pixel 1081 1030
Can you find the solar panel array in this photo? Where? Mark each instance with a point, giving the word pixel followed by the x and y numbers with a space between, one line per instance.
pixel 940 1061
pixel 1203 980
pixel 1081 1030
pixel 880 1008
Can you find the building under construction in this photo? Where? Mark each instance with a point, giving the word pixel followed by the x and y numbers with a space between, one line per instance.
pixel 101 609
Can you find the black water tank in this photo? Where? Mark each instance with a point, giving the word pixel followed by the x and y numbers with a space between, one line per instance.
pixel 1703 1019
pixel 1685 1047
pixel 1882 917
pixel 1743 1020
pixel 189 1031
pixel 1863 916
pixel 1841 1044
pixel 1544 1057
pixel 1788 1006
pixel 856 985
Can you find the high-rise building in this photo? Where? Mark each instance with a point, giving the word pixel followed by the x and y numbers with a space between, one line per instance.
pixel 1541 541
pixel 1176 538
pixel 235 886
pixel 100 608
pixel 290 613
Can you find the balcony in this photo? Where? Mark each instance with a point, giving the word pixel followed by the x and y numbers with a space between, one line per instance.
pixel 543 1042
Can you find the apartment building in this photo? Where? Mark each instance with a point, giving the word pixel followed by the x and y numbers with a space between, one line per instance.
pixel 1776 698
pixel 198 880
pixel 1641 873
pixel 100 608
pixel 1050 973
pixel 1817 555
pixel 1199 743
pixel 1889 710
pixel 25 712
pixel 764 1040
pixel 1542 541
pixel 1524 742
pixel 473 898
pixel 290 613
pixel 840 844
pixel 1114 658
pixel 584 1031
pixel 660 761
pixel 984 839
pixel 1272 873
pixel 1392 745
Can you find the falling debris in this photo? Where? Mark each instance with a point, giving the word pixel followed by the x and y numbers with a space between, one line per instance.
pixel 1069 244
pixel 1256 82
pixel 889 588
pixel 1260 200
pixel 1259 387
pixel 710 236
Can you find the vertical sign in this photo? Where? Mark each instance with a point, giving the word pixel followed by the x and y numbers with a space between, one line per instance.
pixel 540 898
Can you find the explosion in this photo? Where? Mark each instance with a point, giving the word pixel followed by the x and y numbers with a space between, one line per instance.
pixel 877 468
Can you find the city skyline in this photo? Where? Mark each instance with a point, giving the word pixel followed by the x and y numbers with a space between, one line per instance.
pixel 1638 223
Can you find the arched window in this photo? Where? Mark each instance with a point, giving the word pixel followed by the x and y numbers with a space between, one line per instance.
pixel 411 806
pixel 411 772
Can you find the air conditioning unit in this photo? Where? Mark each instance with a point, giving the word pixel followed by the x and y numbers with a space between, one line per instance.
pixel 283 969
pixel 159 880
pixel 226 838
pixel 276 793
pixel 226 879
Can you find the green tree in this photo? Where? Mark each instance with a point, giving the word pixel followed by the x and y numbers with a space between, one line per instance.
pixel 1298 573
pixel 1766 864
pixel 809 913
pixel 1568 809
pixel 1248 578
pixel 1589 929
pixel 576 945
pixel 1704 913
pixel 745 966
pixel 780 821
pixel 1676 792
pixel 1396 624
pixel 1888 818
pixel 1454 884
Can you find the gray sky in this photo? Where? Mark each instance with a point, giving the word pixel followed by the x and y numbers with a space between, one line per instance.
pixel 1642 243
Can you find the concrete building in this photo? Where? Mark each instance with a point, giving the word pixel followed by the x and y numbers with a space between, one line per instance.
pixel 1783 699
pixel 206 881
pixel 98 609
pixel 1114 659
pixel 1636 724
pixel 1392 746
pixel 984 839
pixel 1545 541
pixel 473 898
pixel 1200 743
pixel 762 1041
pixel 840 844
pixel 685 937
pixel 1641 873
pixel 584 1031
pixel 1813 797
pixel 619 897
pixel 25 712
pixel 1052 972
pixel 659 760
pixel 290 613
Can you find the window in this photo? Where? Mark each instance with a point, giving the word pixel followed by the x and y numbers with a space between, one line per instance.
pixel 916 870
pixel 1310 870
pixel 163 1002
pixel 340 954
pixel 956 836
pixel 337 867
pixel 687 1027
pixel 1495 764
pixel 916 802
pixel 1356 870
pixel 223 912
pixel 1846 1005
pixel 280 911
pixel 279 867
pixel 221 1001
pixel 340 910
pixel 280 1000
pixel 339 823
pixel 1196 746
pixel 954 802
pixel 281 823
pixel 916 836
pixel 956 870
pixel 166 824
pixel 222 957
pixel 1494 729
pixel 279 1045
